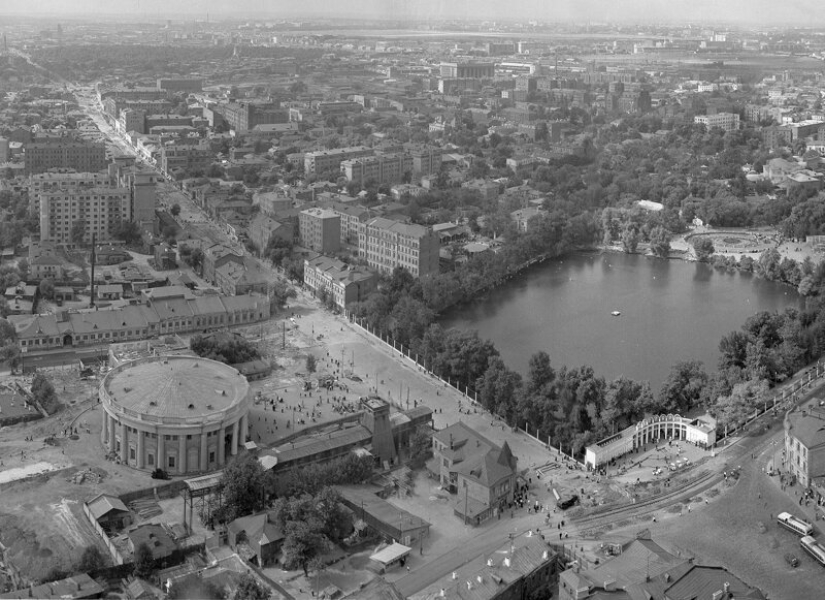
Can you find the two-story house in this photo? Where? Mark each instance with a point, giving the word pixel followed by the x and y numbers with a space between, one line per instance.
pixel 482 474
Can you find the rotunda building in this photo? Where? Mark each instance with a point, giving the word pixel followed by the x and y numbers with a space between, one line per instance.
pixel 182 414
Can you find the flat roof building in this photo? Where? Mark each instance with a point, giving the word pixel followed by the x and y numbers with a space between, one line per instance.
pixel 386 244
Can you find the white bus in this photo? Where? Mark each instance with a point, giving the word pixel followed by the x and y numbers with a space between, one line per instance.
pixel 814 548
pixel 798 526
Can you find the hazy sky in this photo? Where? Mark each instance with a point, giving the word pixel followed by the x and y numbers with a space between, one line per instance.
pixel 810 12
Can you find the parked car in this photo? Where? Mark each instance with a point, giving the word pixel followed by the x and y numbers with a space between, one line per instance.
pixel 791 559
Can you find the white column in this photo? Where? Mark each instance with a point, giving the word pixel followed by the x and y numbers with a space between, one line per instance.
pixel 161 460
pixel 124 444
pixel 181 454
pixel 204 456
pixel 140 436
pixel 234 438
pixel 221 446
pixel 111 432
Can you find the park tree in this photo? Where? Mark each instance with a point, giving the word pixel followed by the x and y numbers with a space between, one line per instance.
pixel 498 388
pixel 195 588
pixel 248 588
pixel 144 561
pixel 78 233
pixel 310 363
pixel 129 232
pixel 46 288
pixel 175 210
pixel 301 545
pixel 421 448
pixel 682 390
pixel 92 559
pixel 703 247
pixel 43 392
pixel 630 237
pixel 192 257
pixel 244 485
pixel 660 241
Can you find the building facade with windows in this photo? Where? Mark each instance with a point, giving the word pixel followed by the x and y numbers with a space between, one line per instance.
pixel 386 168
pixel 99 209
pixel 805 444
pixel 167 310
pixel 386 244
pixel 323 161
pixel 64 152
pixel 343 283
pixel 320 230
pixel 725 121
pixel 481 473
pixel 182 414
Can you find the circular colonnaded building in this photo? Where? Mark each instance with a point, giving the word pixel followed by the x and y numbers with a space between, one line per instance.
pixel 182 414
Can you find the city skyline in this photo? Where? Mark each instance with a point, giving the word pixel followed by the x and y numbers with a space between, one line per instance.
pixel 746 12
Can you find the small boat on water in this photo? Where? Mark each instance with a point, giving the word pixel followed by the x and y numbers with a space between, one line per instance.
pixel 615 313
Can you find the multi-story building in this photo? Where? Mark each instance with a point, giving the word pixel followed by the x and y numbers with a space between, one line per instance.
pixel 386 244
pixel 215 257
pixel 723 120
pixel 352 217
pixel 325 161
pixel 186 156
pixel 243 116
pixel 426 161
pixel 239 279
pixel 338 108
pixel 130 93
pixel 61 179
pixel 131 119
pixel 164 311
pixel 776 136
pixel 180 85
pixel 522 567
pixel 340 282
pixel 97 209
pixel 263 228
pixel 141 185
pixel 64 152
pixel 805 444
pixel 468 70
pixel 114 105
pixel 643 569
pixel 385 168
pixel 482 474
pixel 320 230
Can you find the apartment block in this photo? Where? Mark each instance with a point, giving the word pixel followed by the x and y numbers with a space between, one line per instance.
pixel 725 121
pixel 385 168
pixel 100 209
pixel 320 230
pixel 352 217
pixel 61 179
pixel 62 152
pixel 426 161
pixel 323 161
pixel 186 156
pixel 468 70
pixel 180 85
pixel 386 244
pixel 243 116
